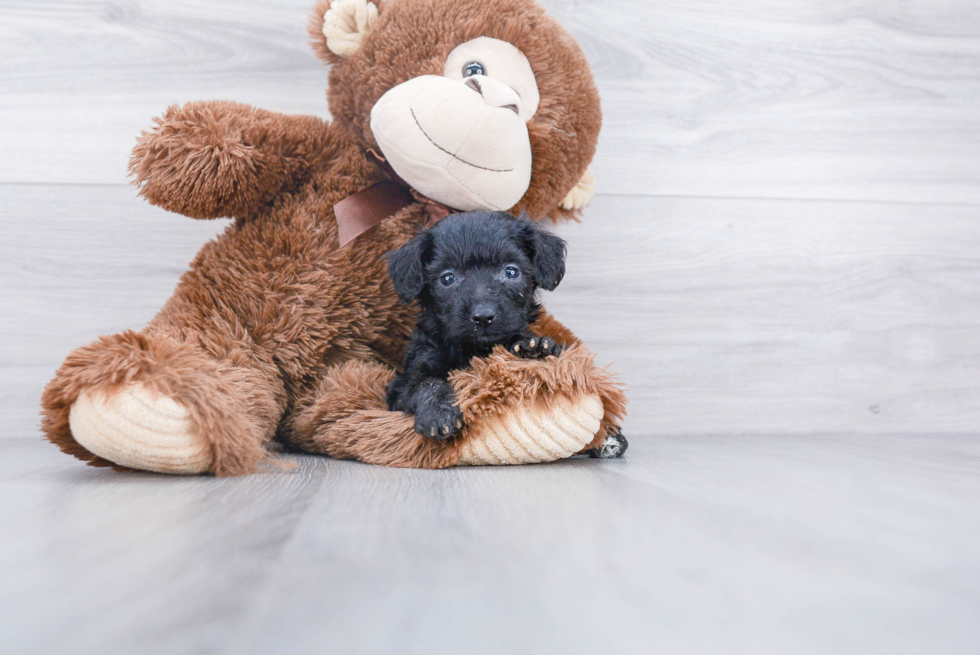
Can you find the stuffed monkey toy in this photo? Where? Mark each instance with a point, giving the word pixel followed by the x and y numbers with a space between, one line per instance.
pixel 286 328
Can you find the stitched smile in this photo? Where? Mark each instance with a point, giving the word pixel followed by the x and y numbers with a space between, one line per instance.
pixel 484 168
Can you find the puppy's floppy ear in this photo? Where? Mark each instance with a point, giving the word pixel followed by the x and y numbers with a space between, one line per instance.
pixel 547 253
pixel 406 267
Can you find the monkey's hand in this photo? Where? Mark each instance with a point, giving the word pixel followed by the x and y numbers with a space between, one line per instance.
pixel 222 159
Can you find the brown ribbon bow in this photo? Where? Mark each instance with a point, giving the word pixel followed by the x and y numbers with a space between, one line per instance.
pixel 360 212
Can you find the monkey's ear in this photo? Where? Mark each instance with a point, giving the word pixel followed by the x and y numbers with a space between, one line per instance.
pixel 406 267
pixel 337 27
pixel 547 253
pixel 582 193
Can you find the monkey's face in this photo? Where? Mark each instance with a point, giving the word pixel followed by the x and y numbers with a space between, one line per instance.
pixel 461 138
pixel 477 104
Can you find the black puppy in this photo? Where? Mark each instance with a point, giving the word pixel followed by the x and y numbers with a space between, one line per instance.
pixel 475 276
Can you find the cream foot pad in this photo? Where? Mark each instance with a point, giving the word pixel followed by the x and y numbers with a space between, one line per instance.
pixel 525 435
pixel 136 428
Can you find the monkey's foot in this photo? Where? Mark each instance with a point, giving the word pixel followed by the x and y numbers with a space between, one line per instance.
pixel 134 427
pixel 526 434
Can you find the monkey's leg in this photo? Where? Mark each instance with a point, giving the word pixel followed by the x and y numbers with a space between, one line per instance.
pixel 609 441
pixel 346 417
pixel 171 399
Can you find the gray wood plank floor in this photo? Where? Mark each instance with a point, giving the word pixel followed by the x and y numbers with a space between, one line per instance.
pixel 782 544
pixel 783 264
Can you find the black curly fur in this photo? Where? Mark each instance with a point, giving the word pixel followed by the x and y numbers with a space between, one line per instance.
pixel 475 276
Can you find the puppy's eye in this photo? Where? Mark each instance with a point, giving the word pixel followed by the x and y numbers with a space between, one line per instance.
pixel 512 272
pixel 474 68
pixel 447 279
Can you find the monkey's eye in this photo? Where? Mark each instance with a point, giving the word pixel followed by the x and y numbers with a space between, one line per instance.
pixel 474 68
pixel 447 279
pixel 512 272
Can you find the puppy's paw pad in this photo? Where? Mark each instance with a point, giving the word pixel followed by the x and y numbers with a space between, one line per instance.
pixel 550 347
pixel 536 348
pixel 440 423
pixel 614 446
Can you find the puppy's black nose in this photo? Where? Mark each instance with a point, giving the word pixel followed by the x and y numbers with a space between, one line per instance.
pixel 483 314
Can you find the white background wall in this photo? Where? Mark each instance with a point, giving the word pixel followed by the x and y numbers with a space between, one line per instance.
pixel 786 237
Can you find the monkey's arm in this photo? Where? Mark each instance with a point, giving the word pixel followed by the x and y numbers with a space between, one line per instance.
pixel 223 159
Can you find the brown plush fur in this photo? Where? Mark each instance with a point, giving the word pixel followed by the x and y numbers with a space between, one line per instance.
pixel 348 418
pixel 217 159
pixel 273 319
pixel 503 381
pixel 234 397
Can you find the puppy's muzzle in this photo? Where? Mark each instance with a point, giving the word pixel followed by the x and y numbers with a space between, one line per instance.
pixel 483 315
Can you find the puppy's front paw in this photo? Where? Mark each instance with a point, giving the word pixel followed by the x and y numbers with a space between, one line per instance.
pixel 535 347
pixel 441 422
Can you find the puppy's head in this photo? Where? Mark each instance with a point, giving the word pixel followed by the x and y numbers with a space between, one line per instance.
pixel 475 274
